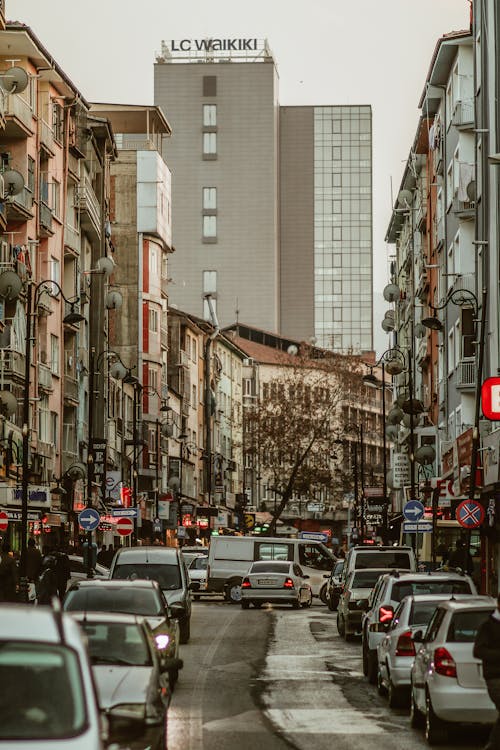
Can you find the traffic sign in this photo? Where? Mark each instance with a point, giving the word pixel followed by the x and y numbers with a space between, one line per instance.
pixel 124 512
pixel 424 527
pixel 157 525
pixel 315 536
pixel 413 510
pixel 89 519
pixel 125 526
pixel 490 398
pixel 4 520
pixel 470 514
pixel 249 521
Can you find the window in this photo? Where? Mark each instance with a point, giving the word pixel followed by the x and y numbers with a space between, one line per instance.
pixel 31 175
pixel 451 351
pixel 54 421
pixel 209 198
pixel 276 551
pixel 44 420
pixel 153 320
pixel 209 85
pixel 153 260
pixel 468 333
pixel 193 396
pixel 54 354
pixel 209 115
pixel 209 282
pixel 54 270
pixel 194 350
pixel 56 197
pixel 57 121
pixel 206 309
pixel 210 143
pixel 209 227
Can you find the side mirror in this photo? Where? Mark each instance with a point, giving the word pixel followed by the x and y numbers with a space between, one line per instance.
pixel 306 576
pixel 326 576
pixel 418 636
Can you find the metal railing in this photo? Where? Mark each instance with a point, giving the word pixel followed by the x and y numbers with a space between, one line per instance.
pixel 70 388
pixel 72 238
pixel 44 376
pixel 16 106
pixel 463 114
pixel 86 200
pixel 466 373
pixel 46 216
pixel 46 135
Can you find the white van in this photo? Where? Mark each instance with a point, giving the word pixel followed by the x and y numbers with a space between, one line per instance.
pixel 230 557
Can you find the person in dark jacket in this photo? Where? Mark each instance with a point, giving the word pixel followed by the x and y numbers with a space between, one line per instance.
pixel 33 563
pixel 461 558
pixel 9 575
pixel 47 583
pixel 63 571
pixel 487 648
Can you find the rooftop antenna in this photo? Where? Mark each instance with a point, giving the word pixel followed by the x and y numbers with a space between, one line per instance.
pixel 237 312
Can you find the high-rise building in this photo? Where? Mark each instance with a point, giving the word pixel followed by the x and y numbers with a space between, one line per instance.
pixel 272 206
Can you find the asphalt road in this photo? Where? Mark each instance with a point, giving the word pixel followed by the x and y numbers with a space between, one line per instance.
pixel 278 678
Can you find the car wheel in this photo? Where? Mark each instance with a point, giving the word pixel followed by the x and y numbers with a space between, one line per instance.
pixel 322 594
pixel 245 605
pixel 393 694
pixel 435 728
pixel 332 603
pixel 416 718
pixel 372 667
pixel 381 688
pixel 310 600
pixel 340 625
pixel 185 630
pixel 233 591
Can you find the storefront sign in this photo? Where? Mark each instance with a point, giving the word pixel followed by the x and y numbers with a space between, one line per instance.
pixel 38 497
pixel 214 45
pixel 401 469
pixel 98 449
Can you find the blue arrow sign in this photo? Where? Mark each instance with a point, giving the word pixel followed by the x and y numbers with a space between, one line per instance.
pixel 413 510
pixel 316 536
pixel 89 519
pixel 424 527
pixel 124 512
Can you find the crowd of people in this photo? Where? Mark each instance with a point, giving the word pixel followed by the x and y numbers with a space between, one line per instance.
pixel 47 572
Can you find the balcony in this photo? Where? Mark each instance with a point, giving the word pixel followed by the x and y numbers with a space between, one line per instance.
pixel 74 165
pixel 439 231
pixel 90 210
pixel 71 240
pixel 20 207
pixel 46 229
pixel 466 374
pixel 464 209
pixel 14 364
pixel 18 117
pixel 44 377
pixel 463 114
pixel 47 137
pixel 70 389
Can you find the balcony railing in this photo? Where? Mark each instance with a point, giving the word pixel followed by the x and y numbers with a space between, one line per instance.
pixel 19 111
pixel 20 206
pixel 72 238
pixel 466 373
pixel 463 114
pixel 45 220
pixel 47 136
pixel 44 377
pixel 464 209
pixel 14 362
pixel 86 201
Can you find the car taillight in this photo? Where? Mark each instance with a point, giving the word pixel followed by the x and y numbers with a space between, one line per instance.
pixel 385 614
pixel 245 584
pixel 288 584
pixel 444 664
pixel 405 645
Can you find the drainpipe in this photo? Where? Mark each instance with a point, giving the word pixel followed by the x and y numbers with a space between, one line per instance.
pixel 208 397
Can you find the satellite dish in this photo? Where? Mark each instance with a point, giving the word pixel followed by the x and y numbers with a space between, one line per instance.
pixel 114 300
pixel 411 420
pixel 390 314
pixel 388 325
pixel 425 455
pixel 420 331
pixel 10 285
pixel 167 429
pixel 174 483
pixel 395 415
pixel 404 198
pixel 77 471
pixel 14 80
pixel 392 432
pixel 391 292
pixel 106 266
pixel 14 182
pixel 118 371
pixel 8 402
pixel 471 191
pixel 292 350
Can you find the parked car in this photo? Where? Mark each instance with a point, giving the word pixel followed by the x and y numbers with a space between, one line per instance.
pixel 354 600
pixel 189 553
pixel 129 678
pixel 362 557
pixel 143 598
pixel 396 651
pixel 275 581
pixel 164 565
pixel 447 685
pixel 334 586
pixel 197 572
pixel 390 590
pixel 79 570
pixel 47 698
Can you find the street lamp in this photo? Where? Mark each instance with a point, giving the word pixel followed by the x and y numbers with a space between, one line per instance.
pixel 161 428
pixel 371 381
pixel 351 427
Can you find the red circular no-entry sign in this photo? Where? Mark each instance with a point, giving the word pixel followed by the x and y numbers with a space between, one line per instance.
pixel 4 520
pixel 125 526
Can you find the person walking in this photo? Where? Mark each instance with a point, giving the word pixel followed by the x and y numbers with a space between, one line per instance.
pixel 487 648
pixel 461 558
pixel 9 575
pixel 102 555
pixel 31 561
pixel 63 571
pixel 47 583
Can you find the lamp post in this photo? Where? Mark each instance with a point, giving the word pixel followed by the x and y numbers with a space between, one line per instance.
pixel 371 381
pixel 351 427
pixel 33 292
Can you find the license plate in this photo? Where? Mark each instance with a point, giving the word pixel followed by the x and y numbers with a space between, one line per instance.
pixel 266 582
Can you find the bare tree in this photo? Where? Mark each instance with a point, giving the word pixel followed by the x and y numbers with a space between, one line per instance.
pixel 296 420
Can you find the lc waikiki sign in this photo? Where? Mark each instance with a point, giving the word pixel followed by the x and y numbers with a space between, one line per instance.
pixel 214 45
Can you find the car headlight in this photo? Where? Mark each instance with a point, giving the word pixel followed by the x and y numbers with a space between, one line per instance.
pixel 162 640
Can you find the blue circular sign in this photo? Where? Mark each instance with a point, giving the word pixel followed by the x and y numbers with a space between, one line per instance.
pixel 413 510
pixel 89 519
pixel 470 514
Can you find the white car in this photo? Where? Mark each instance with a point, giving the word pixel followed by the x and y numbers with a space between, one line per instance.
pixel 48 699
pixel 78 570
pixel 197 572
pixel 277 582
pixel 396 651
pixel 447 684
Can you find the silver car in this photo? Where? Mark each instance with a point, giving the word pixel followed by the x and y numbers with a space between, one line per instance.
pixel 447 684
pixel 396 651
pixel 133 691
pixel 354 600
pixel 277 582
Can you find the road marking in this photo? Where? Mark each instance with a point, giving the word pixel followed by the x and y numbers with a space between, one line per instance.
pixel 323 721
pixel 248 721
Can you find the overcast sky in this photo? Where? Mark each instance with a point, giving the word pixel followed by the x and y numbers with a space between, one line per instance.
pixel 328 52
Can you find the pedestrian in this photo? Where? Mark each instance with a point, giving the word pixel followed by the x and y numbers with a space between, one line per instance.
pixel 461 558
pixel 102 555
pixel 31 566
pixel 47 583
pixel 487 648
pixel 63 571
pixel 9 575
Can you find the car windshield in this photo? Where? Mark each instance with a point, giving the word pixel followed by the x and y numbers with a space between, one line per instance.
pixel 429 586
pixel 199 563
pixel 464 625
pixel 116 643
pixel 421 612
pixel 168 576
pixel 133 601
pixel 42 696
pixel 365 579
pixel 270 567
pixel 386 559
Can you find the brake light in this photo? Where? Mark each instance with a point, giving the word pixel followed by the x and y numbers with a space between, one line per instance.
pixel 288 584
pixel 405 645
pixel 245 584
pixel 385 614
pixel 444 664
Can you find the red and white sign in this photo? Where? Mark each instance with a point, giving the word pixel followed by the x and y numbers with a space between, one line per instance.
pixel 125 526
pixel 4 520
pixel 470 514
pixel 490 398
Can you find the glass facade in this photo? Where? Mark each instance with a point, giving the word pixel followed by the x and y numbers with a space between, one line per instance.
pixel 343 227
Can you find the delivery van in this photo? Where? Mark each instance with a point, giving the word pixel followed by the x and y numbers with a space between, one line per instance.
pixel 230 557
